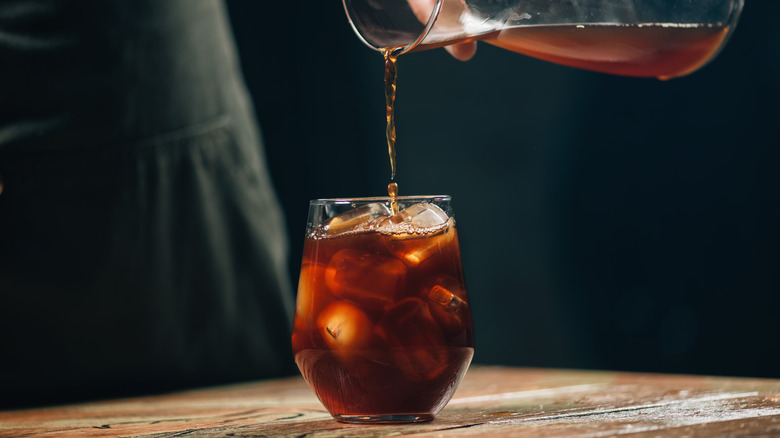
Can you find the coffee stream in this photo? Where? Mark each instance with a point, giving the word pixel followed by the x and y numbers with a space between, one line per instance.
pixel 391 73
pixel 392 190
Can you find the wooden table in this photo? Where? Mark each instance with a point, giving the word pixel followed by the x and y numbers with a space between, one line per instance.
pixel 491 401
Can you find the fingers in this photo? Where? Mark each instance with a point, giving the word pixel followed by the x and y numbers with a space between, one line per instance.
pixel 462 52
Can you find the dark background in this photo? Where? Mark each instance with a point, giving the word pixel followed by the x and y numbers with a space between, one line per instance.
pixel 605 222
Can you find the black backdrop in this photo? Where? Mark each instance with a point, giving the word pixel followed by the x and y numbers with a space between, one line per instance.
pixel 605 222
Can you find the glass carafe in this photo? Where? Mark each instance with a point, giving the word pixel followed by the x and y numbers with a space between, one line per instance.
pixel 645 38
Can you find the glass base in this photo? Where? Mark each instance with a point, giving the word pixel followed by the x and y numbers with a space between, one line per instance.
pixel 387 419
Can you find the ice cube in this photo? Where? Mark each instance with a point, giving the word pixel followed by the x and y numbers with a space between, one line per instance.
pixel 370 280
pixel 447 300
pixel 422 215
pixel 413 249
pixel 418 232
pixel 311 297
pixel 417 343
pixel 344 326
pixel 350 220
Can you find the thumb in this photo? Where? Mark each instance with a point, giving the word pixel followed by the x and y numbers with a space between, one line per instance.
pixel 463 51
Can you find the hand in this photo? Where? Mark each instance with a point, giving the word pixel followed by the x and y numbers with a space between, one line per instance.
pixel 463 51
pixel 422 9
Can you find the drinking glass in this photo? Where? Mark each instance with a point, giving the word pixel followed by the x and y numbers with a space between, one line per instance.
pixel 651 38
pixel 383 330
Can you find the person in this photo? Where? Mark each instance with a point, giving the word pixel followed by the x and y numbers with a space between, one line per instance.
pixel 142 247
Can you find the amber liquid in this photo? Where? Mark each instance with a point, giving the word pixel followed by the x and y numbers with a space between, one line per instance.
pixel 663 51
pixel 383 325
pixel 391 75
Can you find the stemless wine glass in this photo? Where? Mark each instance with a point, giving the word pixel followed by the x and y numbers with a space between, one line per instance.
pixel 383 329
pixel 646 38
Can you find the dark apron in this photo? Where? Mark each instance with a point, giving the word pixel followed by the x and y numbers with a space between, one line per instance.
pixel 141 245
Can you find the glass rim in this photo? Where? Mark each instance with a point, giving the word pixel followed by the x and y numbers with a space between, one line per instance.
pixel 379 199
pixel 401 49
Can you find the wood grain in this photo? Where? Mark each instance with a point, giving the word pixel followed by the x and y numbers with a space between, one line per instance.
pixel 492 401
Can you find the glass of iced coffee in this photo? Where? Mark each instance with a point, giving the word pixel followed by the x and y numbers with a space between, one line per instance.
pixel 383 329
